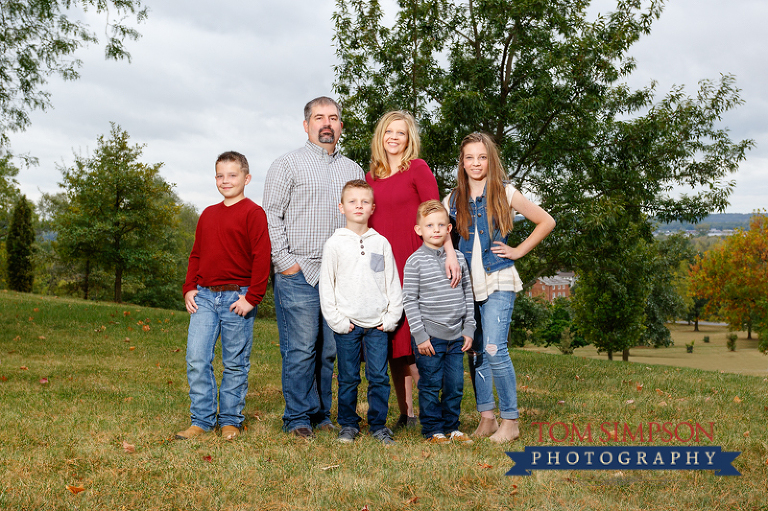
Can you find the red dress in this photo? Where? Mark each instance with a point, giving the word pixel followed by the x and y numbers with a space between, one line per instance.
pixel 397 200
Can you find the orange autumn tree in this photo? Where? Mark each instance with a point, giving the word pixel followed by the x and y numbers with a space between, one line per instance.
pixel 733 276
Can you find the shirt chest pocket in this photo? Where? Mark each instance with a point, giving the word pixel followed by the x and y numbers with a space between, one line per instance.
pixel 377 262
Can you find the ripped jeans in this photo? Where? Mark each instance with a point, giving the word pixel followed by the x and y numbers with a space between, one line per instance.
pixel 491 363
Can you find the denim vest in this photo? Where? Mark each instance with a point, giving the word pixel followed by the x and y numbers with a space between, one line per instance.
pixel 491 262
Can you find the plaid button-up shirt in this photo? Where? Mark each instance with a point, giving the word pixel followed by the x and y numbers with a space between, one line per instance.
pixel 301 196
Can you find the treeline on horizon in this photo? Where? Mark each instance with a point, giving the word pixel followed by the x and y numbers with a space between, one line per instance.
pixel 714 221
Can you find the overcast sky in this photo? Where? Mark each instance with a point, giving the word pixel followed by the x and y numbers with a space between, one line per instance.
pixel 209 77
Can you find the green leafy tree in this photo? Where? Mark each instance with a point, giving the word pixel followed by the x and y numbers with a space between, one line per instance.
pixel 666 302
pixel 120 215
pixel 733 277
pixel 21 236
pixel 529 317
pixel 9 191
pixel 561 318
pixel 38 39
pixel 549 85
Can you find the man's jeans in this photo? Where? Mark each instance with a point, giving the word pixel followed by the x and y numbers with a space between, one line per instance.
pixel 491 364
pixel 443 370
pixel 374 345
pixel 308 351
pixel 211 319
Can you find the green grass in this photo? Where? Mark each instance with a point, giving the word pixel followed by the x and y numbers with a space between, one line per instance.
pixel 109 381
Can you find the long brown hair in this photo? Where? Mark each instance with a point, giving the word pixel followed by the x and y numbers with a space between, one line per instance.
pixel 379 166
pixel 498 211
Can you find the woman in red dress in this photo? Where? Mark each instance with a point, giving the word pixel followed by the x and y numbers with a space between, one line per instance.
pixel 401 182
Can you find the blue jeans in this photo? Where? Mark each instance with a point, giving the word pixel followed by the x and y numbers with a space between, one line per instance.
pixel 308 351
pixel 443 370
pixel 491 364
pixel 374 345
pixel 211 319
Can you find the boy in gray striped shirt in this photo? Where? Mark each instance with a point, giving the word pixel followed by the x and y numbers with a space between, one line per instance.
pixel 442 322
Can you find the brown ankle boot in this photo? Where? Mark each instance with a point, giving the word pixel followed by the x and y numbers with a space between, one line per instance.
pixel 190 432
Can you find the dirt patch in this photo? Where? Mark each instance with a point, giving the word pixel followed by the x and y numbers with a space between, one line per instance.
pixel 711 356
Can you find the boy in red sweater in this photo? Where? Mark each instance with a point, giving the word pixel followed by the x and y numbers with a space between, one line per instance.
pixel 226 280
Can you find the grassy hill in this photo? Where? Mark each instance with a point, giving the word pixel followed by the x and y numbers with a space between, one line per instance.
pixel 92 394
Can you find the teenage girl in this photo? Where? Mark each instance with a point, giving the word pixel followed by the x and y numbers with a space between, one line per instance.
pixel 483 205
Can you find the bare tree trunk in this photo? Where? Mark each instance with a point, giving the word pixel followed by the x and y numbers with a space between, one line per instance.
pixel 119 284
pixel 625 355
pixel 610 355
pixel 87 277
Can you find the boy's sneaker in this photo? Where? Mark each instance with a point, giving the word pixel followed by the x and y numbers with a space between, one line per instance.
pixel 384 435
pixel 438 438
pixel 460 438
pixel 347 434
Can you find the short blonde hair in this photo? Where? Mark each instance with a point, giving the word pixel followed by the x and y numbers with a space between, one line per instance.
pixel 359 184
pixel 426 208
pixel 379 166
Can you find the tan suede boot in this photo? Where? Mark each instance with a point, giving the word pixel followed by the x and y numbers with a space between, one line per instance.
pixel 230 432
pixel 486 427
pixel 190 432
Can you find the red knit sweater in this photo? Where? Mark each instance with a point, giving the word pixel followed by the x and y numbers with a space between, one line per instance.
pixel 231 247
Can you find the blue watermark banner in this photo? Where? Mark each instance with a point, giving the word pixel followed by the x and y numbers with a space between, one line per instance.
pixel 623 458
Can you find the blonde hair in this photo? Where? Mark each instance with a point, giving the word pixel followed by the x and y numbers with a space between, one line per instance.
pixel 498 211
pixel 359 184
pixel 379 166
pixel 426 208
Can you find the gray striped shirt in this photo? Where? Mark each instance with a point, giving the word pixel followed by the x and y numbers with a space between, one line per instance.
pixel 301 197
pixel 433 307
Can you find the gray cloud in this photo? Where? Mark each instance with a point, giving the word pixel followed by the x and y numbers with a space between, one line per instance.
pixel 206 78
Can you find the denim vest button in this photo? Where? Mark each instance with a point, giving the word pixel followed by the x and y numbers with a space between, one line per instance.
pixel 481 231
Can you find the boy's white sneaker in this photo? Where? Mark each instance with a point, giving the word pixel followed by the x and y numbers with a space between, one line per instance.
pixel 460 438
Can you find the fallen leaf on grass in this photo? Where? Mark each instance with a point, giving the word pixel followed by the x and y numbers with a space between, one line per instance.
pixel 663 403
pixel 746 434
pixel 43 381
pixel 330 467
pixel 126 313
pixel 75 489
pixel 514 490
pixel 3 378
pixel 24 368
pixel 639 387
pixel 177 350
pixel 412 500
pixel 364 508
pixel 737 400
pixel 145 328
pixel 630 401
pixel 484 465
pixel 42 337
pixel 578 377
pixel 561 402
pixel 128 447
pixel 35 310
pixel 132 348
pixel 426 454
pixel 660 392
pixel 208 458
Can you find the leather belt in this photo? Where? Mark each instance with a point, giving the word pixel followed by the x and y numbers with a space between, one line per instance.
pixel 224 287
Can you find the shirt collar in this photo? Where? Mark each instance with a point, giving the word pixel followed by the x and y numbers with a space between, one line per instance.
pixel 321 152
pixel 437 252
